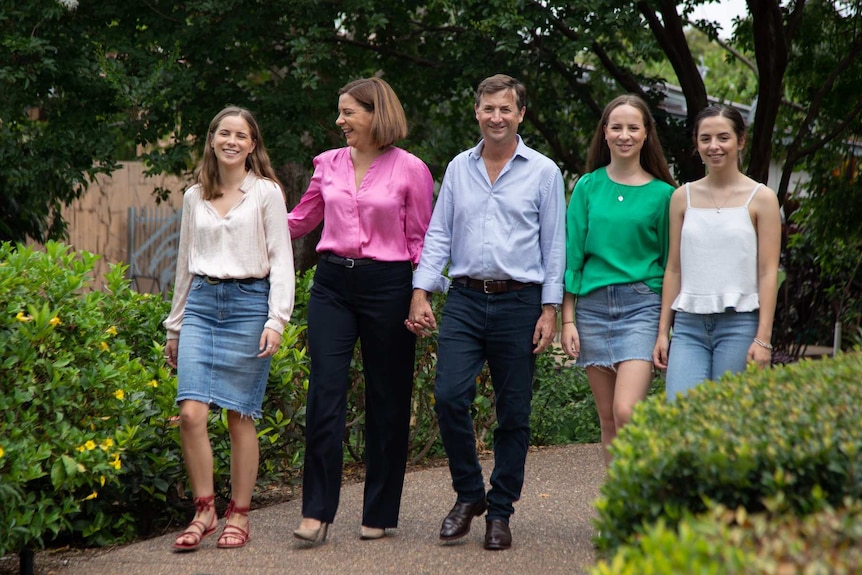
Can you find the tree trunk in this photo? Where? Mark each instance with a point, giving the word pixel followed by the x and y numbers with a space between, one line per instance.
pixel 770 48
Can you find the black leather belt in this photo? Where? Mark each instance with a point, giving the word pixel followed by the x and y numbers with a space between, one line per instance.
pixel 492 286
pixel 215 281
pixel 347 262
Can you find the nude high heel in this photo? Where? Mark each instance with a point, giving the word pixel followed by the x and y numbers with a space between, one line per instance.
pixel 317 535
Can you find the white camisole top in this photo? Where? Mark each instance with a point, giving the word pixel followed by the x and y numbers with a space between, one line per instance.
pixel 718 259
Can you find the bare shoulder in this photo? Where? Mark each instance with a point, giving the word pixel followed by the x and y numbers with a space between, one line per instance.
pixel 765 199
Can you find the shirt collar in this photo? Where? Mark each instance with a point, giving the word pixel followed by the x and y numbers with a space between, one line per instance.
pixel 522 149
pixel 248 182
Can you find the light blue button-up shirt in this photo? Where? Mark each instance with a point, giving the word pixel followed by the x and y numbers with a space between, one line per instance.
pixel 513 229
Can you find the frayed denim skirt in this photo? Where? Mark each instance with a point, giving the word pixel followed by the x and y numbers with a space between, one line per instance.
pixel 217 361
pixel 617 323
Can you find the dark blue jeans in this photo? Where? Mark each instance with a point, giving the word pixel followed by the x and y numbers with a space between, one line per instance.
pixel 476 327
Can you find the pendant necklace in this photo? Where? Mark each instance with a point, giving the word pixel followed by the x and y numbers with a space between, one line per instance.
pixel 712 197
pixel 620 192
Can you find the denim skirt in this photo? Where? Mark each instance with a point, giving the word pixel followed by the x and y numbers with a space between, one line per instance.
pixel 217 362
pixel 617 323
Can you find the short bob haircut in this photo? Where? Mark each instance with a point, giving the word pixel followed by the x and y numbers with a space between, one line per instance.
pixel 651 157
pixel 389 123
pixel 499 83
pixel 257 161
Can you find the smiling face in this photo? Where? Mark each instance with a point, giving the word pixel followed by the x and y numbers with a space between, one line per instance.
pixel 498 116
pixel 625 132
pixel 354 119
pixel 717 142
pixel 232 141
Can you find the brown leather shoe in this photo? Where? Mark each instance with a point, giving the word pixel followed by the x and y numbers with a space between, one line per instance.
pixel 457 523
pixel 497 535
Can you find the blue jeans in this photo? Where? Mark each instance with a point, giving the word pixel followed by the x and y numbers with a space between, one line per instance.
pixel 498 328
pixel 706 346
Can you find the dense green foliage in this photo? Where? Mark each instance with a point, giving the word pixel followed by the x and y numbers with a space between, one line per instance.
pixel 89 448
pixel 84 85
pixel 785 439
pixel 733 541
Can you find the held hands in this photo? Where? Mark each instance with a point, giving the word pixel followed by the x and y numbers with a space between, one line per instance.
pixel 420 321
pixel 269 342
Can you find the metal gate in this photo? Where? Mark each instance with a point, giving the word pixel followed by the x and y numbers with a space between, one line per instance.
pixel 154 239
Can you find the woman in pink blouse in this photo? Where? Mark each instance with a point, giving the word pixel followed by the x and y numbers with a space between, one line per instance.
pixel 375 202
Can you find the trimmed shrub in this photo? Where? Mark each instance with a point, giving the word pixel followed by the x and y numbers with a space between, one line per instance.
pixel 732 541
pixel 791 434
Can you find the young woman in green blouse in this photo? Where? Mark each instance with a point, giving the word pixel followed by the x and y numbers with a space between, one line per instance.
pixel 616 248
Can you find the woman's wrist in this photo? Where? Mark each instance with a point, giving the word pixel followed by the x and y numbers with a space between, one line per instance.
pixel 764 344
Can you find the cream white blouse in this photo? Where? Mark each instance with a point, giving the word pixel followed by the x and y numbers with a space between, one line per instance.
pixel 250 241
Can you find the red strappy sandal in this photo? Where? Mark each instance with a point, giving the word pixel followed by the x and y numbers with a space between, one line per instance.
pixel 233 531
pixel 196 529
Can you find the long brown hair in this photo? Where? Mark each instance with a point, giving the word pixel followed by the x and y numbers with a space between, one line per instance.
pixel 651 157
pixel 388 124
pixel 257 161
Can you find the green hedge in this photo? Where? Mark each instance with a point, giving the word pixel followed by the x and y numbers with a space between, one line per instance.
pixel 790 435
pixel 732 541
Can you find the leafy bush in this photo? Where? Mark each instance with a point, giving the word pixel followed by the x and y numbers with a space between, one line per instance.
pixel 732 541
pixel 75 403
pixel 788 434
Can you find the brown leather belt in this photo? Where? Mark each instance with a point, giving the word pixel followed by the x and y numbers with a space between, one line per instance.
pixel 492 286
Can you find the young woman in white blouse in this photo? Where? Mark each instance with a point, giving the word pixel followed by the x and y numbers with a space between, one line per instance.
pixel 232 298
pixel 721 279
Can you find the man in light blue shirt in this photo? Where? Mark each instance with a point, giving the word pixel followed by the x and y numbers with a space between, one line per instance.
pixel 499 225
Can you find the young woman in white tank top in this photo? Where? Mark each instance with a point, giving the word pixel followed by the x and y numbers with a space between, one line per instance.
pixel 721 279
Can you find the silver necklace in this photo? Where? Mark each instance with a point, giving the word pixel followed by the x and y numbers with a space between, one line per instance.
pixel 712 197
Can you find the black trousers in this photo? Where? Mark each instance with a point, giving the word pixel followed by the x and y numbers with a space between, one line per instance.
pixel 368 303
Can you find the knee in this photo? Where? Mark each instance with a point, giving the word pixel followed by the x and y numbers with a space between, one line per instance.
pixel 193 415
pixel 447 400
pixel 622 415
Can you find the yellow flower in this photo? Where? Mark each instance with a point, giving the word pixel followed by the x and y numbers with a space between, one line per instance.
pixel 92 495
pixel 107 444
pixel 81 448
pixel 116 463
pixel 112 330
pixel 2 451
pixel 103 346
pixel 120 394
pixel 153 383
pixel 102 480
pixel 55 321
pixel 90 445
pixel 22 317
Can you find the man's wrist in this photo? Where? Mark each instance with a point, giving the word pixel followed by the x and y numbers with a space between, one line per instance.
pixel 553 306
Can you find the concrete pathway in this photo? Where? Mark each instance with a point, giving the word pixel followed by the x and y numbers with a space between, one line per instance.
pixel 551 529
